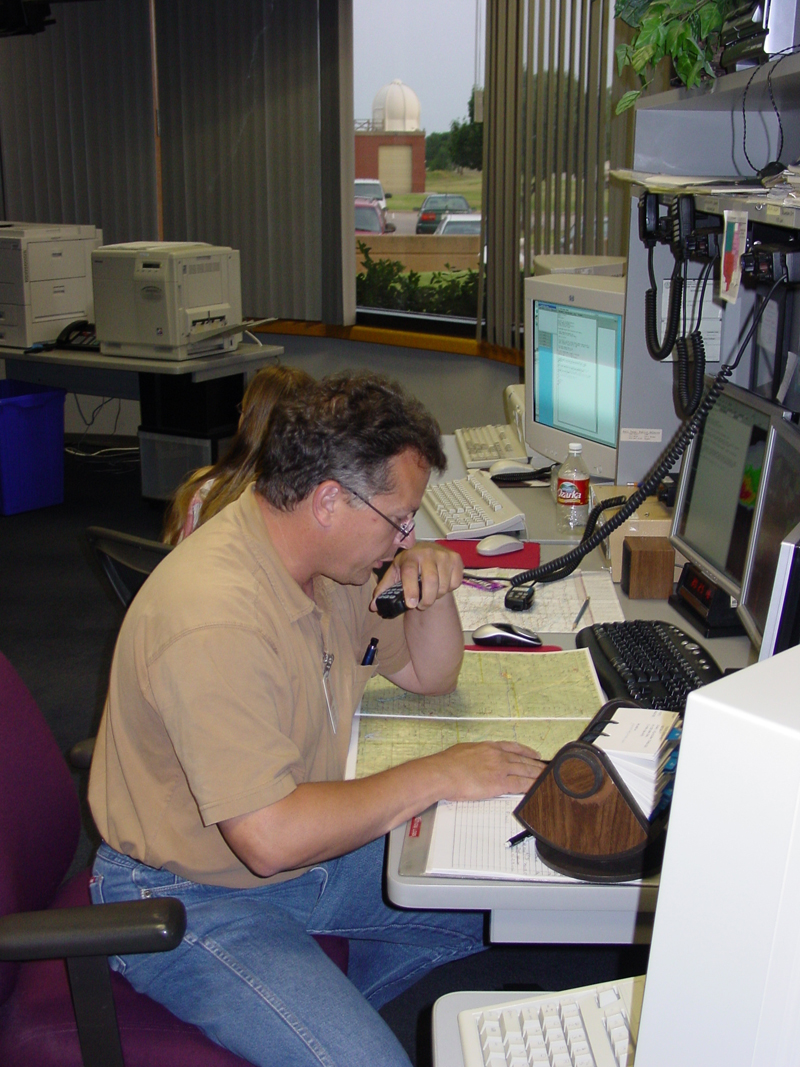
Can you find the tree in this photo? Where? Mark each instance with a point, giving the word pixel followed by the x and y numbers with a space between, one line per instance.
pixel 437 152
pixel 466 140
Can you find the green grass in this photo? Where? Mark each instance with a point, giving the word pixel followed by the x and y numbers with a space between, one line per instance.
pixel 468 184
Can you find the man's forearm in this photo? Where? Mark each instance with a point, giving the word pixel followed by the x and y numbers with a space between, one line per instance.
pixel 320 820
pixel 436 643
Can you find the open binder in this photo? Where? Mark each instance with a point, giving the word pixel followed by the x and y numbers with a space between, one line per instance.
pixel 585 819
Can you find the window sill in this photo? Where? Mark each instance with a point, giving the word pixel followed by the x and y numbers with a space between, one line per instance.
pixel 432 342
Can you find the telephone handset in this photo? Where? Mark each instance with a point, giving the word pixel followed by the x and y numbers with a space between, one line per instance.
pixel 79 334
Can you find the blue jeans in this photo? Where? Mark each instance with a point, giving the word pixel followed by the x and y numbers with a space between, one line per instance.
pixel 251 976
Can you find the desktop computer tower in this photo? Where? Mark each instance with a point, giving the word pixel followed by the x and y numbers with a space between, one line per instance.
pixel 560 263
pixel 167 458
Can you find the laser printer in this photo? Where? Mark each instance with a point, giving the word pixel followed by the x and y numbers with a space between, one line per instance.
pixel 167 299
pixel 45 279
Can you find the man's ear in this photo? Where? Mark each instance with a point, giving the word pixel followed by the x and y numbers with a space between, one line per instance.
pixel 324 501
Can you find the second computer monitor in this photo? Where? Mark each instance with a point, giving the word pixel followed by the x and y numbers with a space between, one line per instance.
pixel 718 489
pixel 573 366
pixel 769 589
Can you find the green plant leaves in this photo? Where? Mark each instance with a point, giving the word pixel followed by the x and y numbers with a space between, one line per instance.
pixel 685 30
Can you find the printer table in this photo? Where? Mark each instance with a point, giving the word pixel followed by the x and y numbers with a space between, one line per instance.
pixel 99 375
pixel 547 913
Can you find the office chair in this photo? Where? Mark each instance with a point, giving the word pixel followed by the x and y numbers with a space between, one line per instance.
pixel 125 560
pixel 64 939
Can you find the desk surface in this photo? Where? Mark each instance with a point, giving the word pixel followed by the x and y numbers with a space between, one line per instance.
pixel 98 375
pixel 548 913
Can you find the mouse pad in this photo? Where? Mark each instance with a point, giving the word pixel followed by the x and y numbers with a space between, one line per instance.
pixel 515 648
pixel 524 559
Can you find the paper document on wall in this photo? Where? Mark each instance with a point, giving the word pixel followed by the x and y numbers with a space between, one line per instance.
pixel 469 841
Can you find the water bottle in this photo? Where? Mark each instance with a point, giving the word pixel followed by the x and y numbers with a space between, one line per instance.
pixel 572 492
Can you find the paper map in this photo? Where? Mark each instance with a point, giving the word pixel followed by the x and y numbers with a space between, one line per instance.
pixel 555 605
pixel 541 699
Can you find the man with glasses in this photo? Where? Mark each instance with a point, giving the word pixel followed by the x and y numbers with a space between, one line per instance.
pixel 219 764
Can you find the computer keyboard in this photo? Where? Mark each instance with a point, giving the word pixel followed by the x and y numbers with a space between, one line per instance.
pixel 481 446
pixel 654 663
pixel 471 507
pixel 596 1026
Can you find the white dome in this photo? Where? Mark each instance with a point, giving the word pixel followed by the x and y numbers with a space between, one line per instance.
pixel 396 107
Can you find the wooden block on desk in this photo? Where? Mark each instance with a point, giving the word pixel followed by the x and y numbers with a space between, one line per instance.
pixel 648 566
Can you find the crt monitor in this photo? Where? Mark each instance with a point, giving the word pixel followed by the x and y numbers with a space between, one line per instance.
pixel 722 983
pixel 777 513
pixel 718 488
pixel 573 366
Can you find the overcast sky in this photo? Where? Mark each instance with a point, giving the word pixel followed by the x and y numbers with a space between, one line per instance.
pixel 428 44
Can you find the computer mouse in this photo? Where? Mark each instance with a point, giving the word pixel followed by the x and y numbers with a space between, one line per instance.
pixel 509 466
pixel 505 633
pixel 497 544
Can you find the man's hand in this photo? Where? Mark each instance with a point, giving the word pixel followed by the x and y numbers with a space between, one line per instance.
pixel 488 769
pixel 437 568
pixel 318 820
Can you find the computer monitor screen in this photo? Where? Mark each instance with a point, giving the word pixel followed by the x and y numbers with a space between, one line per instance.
pixel 777 513
pixel 573 366
pixel 718 488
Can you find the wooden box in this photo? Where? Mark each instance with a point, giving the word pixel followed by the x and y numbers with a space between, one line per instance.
pixel 648 568
pixel 651 519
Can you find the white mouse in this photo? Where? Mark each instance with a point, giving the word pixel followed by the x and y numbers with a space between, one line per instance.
pixel 497 544
pixel 510 466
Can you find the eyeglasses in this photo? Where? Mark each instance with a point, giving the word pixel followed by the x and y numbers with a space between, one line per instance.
pixel 404 528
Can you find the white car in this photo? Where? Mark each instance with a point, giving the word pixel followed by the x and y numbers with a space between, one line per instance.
pixel 371 189
pixel 459 225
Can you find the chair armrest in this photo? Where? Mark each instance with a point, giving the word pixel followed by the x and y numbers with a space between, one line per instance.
pixel 154 925
pixel 80 755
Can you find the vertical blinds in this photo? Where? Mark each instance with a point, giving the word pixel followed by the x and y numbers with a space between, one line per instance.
pixel 76 126
pixel 547 143
pixel 248 93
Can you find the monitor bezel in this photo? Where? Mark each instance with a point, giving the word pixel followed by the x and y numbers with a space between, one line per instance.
pixel 789 433
pixel 594 292
pixel 785 591
pixel 719 577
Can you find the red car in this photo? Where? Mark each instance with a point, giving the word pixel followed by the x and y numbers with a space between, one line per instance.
pixel 370 218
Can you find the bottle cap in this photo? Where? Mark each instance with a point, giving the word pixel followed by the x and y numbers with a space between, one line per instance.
pixel 576 447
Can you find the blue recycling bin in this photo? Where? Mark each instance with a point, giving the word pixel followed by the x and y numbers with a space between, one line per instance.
pixel 31 446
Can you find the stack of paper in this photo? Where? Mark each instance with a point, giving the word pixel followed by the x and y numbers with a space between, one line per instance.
pixel 470 840
pixel 641 743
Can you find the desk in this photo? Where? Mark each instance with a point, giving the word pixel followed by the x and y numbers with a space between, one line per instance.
pixel 94 374
pixel 539 912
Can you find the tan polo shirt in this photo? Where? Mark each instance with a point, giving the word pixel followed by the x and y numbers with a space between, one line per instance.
pixel 216 705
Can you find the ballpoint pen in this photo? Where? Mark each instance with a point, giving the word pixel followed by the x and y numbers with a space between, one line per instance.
pixel 369 655
pixel 579 616
pixel 517 839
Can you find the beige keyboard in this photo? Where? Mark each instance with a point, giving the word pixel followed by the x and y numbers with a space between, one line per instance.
pixel 481 446
pixel 471 507
pixel 595 1026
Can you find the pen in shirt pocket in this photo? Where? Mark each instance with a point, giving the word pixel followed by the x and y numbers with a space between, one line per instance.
pixel 369 655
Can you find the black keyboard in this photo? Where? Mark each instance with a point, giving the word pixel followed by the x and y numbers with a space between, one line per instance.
pixel 653 663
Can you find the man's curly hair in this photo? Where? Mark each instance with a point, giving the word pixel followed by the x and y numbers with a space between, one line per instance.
pixel 346 428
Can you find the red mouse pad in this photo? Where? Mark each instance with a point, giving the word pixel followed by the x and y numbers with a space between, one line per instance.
pixel 524 559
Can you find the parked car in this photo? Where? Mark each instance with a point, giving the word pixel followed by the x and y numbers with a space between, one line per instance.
pixel 371 189
pixel 435 205
pixel 370 218
pixel 460 225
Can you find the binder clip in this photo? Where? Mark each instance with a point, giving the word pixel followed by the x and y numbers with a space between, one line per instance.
pixel 585 820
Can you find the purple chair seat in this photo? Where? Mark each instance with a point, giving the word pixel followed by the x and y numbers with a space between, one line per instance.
pixel 39 825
